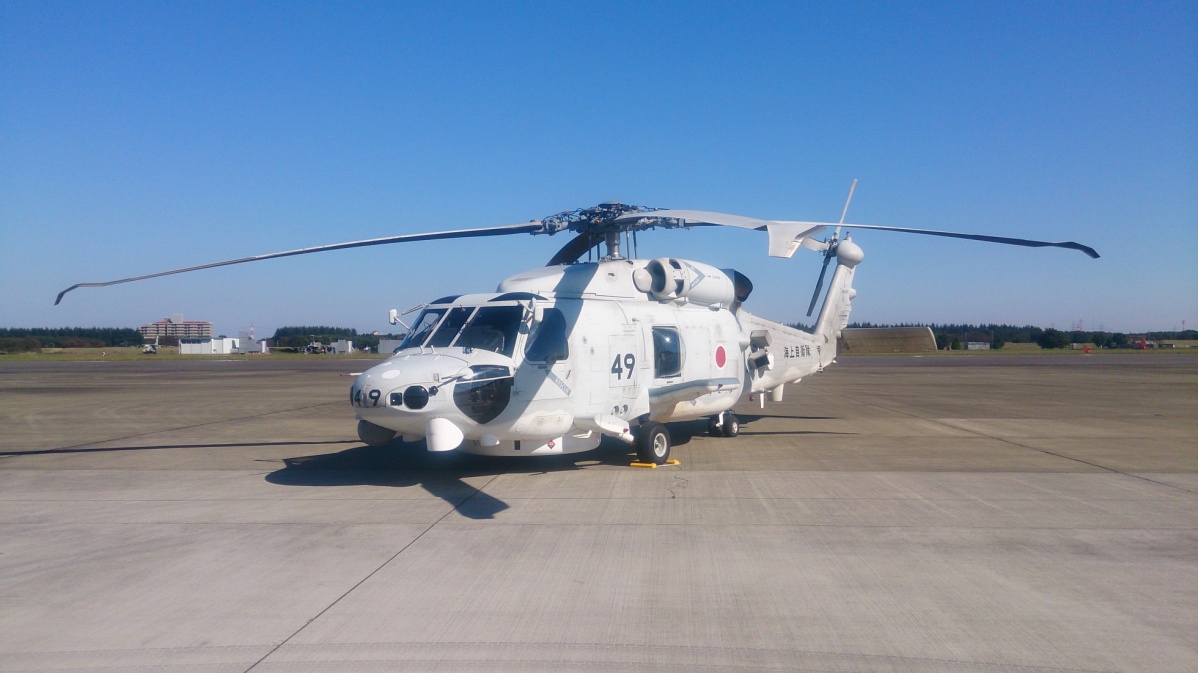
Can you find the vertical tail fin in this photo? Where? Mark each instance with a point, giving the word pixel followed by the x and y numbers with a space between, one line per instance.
pixel 834 315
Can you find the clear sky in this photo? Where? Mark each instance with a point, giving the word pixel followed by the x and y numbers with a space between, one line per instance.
pixel 147 136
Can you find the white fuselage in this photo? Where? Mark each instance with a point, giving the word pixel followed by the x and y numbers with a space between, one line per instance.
pixel 562 355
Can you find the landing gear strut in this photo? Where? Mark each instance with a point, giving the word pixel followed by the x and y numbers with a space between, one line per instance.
pixel 724 424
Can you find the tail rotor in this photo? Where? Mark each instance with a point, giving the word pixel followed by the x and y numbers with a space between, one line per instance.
pixel 829 247
pixel 819 285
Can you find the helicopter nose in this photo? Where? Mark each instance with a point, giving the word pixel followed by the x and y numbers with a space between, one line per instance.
pixel 407 382
pixel 435 396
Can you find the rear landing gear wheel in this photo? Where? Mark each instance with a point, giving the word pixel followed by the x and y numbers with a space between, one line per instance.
pixel 724 424
pixel 652 443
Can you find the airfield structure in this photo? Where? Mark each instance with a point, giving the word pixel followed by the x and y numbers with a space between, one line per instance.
pixel 874 340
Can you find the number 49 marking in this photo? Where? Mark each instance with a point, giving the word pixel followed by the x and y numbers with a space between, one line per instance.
pixel 623 366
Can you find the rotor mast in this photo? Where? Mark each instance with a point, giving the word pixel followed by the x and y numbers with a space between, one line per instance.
pixel 612 239
pixel 603 224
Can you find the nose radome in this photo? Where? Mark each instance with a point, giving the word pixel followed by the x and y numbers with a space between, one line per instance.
pixel 438 396
pixel 420 375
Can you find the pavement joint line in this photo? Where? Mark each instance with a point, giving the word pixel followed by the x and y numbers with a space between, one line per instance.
pixel 372 573
pixel 184 427
pixel 1022 446
pixel 663 524
pixel 84 448
pixel 868 656
pixel 591 646
pixel 962 498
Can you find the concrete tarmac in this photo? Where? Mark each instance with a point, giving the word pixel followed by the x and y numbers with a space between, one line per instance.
pixel 966 513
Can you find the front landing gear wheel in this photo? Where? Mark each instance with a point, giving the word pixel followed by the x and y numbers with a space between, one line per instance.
pixel 731 425
pixel 652 443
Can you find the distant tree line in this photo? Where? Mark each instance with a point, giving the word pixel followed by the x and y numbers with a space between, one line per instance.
pixel 955 336
pixel 299 337
pixel 948 335
pixel 22 339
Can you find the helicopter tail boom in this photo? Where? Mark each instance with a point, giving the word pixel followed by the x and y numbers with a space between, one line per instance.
pixel 834 315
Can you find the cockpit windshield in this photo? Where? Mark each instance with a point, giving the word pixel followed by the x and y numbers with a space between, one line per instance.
pixel 423 327
pixel 492 328
pixel 450 326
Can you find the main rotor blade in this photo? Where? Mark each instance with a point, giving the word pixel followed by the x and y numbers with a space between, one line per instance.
pixel 845 211
pixel 699 217
pixel 785 237
pixel 982 237
pixel 525 227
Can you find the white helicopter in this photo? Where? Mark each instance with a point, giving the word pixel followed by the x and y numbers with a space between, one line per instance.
pixel 559 356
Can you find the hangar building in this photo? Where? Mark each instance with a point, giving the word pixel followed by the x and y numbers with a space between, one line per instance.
pixel 865 340
pixel 207 346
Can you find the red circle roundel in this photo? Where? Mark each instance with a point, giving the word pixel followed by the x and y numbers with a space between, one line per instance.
pixel 720 357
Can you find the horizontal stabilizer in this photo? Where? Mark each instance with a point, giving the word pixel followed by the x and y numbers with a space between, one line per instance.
pixel 785 238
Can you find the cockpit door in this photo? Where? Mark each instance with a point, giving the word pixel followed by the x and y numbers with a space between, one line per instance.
pixel 547 372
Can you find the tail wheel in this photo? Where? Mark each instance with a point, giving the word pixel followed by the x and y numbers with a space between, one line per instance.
pixel 652 443
pixel 731 426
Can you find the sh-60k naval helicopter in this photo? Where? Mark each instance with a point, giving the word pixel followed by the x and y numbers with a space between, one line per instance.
pixel 559 356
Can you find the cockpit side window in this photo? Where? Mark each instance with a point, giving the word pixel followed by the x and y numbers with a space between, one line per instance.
pixel 548 342
pixel 422 328
pixel 450 326
pixel 493 328
pixel 667 352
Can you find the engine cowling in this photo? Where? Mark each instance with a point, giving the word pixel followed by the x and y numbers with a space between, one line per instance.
pixel 671 279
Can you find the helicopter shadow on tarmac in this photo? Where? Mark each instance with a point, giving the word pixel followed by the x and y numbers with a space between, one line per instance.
pixel 440 474
pixel 747 420
pixel 443 475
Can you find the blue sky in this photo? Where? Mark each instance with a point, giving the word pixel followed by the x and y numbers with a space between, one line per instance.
pixel 141 137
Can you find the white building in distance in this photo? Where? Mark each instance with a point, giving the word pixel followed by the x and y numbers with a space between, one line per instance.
pixel 246 343
pixel 176 327
pixel 207 346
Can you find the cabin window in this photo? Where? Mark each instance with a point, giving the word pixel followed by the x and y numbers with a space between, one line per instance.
pixel 548 342
pixel 667 352
pixel 493 328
